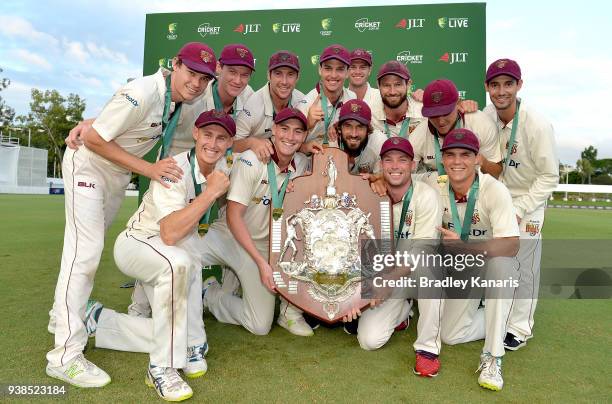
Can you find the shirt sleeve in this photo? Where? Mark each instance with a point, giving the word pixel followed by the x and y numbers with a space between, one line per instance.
pixel 246 173
pixel 488 137
pixel 167 200
pixel 543 152
pixel 501 211
pixel 429 213
pixel 124 111
pixel 245 122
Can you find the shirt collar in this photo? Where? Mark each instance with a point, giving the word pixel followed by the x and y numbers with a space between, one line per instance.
pixel 290 167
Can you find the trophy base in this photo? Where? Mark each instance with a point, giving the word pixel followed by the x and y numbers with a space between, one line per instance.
pixel 327 279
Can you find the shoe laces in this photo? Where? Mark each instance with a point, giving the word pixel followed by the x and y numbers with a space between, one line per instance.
pixel 83 363
pixel 174 380
pixel 166 379
pixel 490 366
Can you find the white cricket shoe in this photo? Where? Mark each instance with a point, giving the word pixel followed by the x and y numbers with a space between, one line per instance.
pixel 80 372
pixel 296 326
pixel 196 364
pixel 92 313
pixel 490 372
pixel 168 383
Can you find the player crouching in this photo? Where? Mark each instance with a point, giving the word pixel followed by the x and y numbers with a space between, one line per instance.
pixel 159 248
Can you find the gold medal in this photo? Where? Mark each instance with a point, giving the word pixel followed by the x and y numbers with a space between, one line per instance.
pixel 277 213
pixel 202 229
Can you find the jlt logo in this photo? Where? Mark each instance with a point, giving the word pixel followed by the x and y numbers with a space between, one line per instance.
pixel 409 23
pixel 454 57
pixel 247 28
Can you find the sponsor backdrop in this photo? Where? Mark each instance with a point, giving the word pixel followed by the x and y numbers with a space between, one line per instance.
pixel 434 41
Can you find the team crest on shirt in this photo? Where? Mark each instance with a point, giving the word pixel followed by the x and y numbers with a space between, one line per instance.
pixel 241 52
pixel 532 227
pixel 264 181
pixel 436 97
pixel 408 220
pixel 514 147
pixel 475 217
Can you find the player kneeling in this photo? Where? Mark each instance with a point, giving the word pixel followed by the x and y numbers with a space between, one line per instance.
pixel 160 249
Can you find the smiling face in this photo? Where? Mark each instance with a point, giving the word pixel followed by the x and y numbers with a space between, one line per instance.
pixel 502 91
pixel 396 167
pixel 282 81
pixel 359 72
pixel 187 84
pixel 288 137
pixel 211 143
pixel 445 123
pixel 233 79
pixel 333 73
pixel 354 134
pixel 460 164
pixel 393 90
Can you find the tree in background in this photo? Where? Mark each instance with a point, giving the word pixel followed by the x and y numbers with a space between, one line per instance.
pixel 50 119
pixel 6 113
pixel 585 168
pixel 590 153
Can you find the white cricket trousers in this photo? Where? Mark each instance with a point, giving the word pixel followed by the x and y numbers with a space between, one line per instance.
pixel 529 255
pixel 93 190
pixel 255 310
pixel 173 284
pixel 377 324
pixel 463 320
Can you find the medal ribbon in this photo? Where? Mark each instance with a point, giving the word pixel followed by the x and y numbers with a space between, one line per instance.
pixel 169 123
pixel 213 211
pixel 229 158
pixel 327 117
pixel 469 210
pixel 512 140
pixel 277 196
pixel 407 198
pixel 403 130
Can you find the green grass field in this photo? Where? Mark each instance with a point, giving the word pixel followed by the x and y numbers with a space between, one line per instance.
pixel 567 361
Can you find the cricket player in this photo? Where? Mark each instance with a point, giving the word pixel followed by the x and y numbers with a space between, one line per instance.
pixel 254 123
pixel 441 107
pixel 322 103
pixel 531 173
pixel 395 114
pixel 417 217
pixel 160 248
pixel 478 209
pixel 358 74
pixel 239 239
pixel 95 177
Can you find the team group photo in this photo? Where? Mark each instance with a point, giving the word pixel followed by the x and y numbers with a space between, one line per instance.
pixel 282 207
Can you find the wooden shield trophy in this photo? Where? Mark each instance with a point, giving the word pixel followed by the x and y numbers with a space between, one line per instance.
pixel 315 243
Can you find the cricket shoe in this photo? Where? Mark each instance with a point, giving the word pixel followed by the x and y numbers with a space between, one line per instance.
pixel 490 372
pixel 427 364
pixel 80 372
pixel 296 326
pixel 206 284
pixel 513 343
pixel 168 383
pixel 92 314
pixel 196 364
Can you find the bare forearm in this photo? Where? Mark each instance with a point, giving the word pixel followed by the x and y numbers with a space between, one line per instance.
pixel 491 168
pixel 241 145
pixel 180 223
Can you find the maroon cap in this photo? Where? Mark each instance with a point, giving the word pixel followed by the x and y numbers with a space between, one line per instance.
pixel 439 98
pixel 198 57
pixel 393 67
pixel 397 143
pixel 336 52
pixel 357 110
pixel 361 54
pixel 291 113
pixel 284 58
pixel 503 66
pixel 461 139
pixel 237 54
pixel 214 117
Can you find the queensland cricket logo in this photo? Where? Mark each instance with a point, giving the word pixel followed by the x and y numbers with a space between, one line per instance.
pixel 241 52
pixel 532 228
pixel 475 218
pixel 205 56
pixel 172 31
pixel 436 97
pixel 409 218
pixel 500 64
